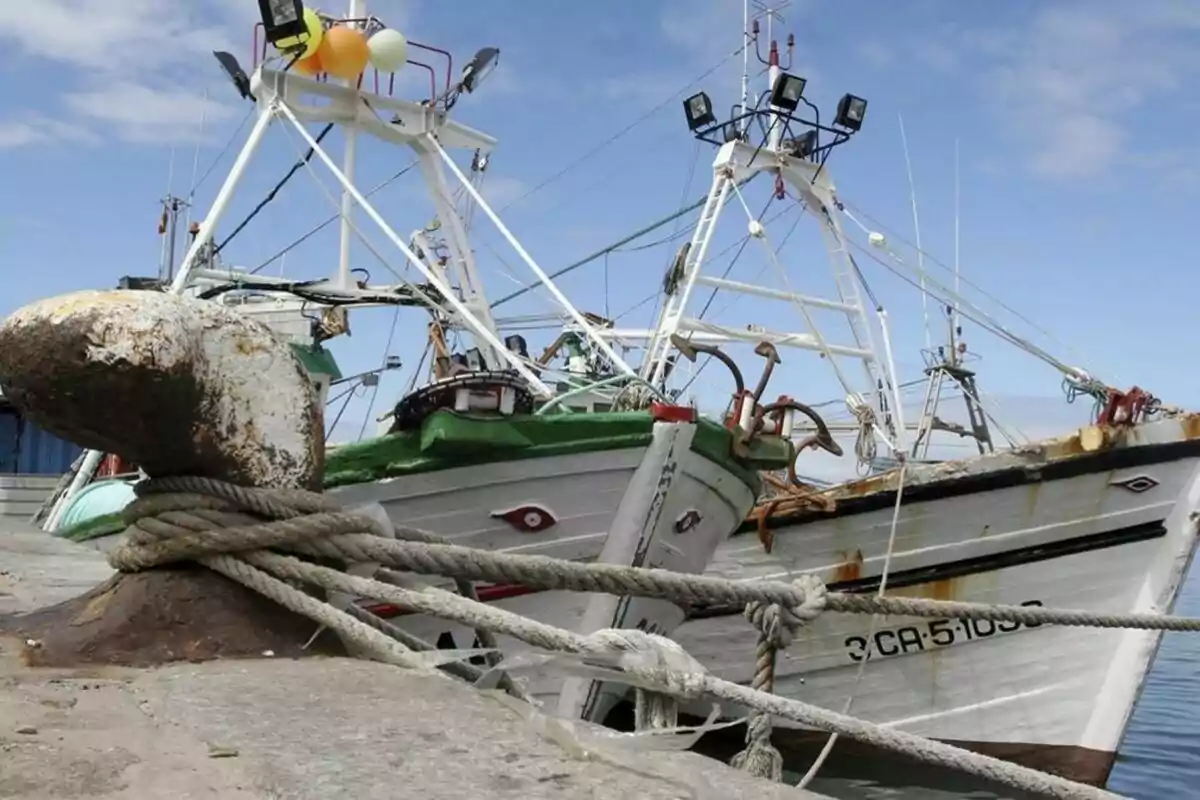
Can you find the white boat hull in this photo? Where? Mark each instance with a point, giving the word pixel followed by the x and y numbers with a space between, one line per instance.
pixel 1113 539
pixel 663 505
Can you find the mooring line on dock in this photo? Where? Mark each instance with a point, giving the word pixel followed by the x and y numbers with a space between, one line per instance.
pixel 255 537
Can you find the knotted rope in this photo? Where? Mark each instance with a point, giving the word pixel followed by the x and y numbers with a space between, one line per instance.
pixel 223 527
pixel 777 626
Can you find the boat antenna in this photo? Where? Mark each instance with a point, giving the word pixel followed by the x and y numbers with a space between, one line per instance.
pixel 955 312
pixel 746 41
pixel 912 195
pixel 196 157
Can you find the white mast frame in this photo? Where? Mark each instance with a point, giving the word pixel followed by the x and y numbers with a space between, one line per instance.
pixel 296 99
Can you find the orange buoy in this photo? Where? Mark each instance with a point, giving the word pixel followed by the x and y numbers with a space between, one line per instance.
pixel 310 66
pixel 343 52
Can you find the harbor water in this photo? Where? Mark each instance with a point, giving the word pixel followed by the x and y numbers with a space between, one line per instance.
pixel 1159 758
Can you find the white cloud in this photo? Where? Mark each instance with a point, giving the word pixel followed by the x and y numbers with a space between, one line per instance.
pixel 16 134
pixel 139 113
pixel 137 65
pixel 1074 80
pixel 33 129
pixel 500 190
pixel 110 37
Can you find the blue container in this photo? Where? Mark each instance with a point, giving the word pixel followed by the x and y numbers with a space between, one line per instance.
pixel 27 449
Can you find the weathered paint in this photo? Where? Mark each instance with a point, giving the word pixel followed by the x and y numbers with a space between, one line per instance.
pixel 1063 687
pixel 187 386
pixel 1030 456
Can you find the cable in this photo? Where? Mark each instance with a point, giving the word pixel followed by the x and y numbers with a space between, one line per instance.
pixel 995 329
pixel 972 284
pixel 274 191
pixel 605 250
pixel 375 389
pixel 623 131
pixel 326 223
pixel 729 268
pixel 221 154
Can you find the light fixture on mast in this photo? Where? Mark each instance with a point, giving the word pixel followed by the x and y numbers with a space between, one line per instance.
pixel 699 111
pixel 241 81
pixel 479 68
pixel 788 91
pixel 850 112
pixel 283 23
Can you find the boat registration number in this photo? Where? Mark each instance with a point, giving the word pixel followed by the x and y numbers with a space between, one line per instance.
pixel 931 635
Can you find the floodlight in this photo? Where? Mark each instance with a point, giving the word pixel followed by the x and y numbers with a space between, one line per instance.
pixel 516 343
pixel 787 91
pixel 475 361
pixel 392 362
pixel 804 145
pixel 479 68
pixel 282 20
pixel 698 109
pixel 233 69
pixel 850 112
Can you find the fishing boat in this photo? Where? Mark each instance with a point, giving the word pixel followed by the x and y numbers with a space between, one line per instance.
pixel 1101 519
pixel 488 454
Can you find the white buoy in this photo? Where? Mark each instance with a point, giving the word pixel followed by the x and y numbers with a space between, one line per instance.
pixel 389 50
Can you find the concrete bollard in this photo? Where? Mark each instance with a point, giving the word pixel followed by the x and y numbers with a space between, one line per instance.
pixel 180 387
pixel 176 385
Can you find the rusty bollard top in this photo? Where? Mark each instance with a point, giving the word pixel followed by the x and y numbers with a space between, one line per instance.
pixel 176 385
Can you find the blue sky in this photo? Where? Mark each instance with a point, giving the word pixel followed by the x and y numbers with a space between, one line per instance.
pixel 1078 167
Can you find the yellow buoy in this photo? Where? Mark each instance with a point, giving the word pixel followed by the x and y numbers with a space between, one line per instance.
pixel 311 39
pixel 344 52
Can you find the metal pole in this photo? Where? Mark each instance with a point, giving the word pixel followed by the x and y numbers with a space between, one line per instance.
pixel 172 227
pixel 468 318
pixel 349 157
pixel 221 203
pixel 604 346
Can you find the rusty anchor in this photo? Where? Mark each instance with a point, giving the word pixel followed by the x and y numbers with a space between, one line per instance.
pixel 689 350
pixel 767 351
pixel 747 411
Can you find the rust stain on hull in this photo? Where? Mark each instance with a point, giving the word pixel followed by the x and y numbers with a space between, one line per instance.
pixel 851 567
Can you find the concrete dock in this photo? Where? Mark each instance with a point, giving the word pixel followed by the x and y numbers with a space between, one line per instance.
pixel 293 728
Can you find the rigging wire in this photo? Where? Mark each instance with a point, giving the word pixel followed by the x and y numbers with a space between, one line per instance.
pixel 605 250
pixel 964 279
pixel 300 164
pixel 349 394
pixel 387 348
pixel 187 222
pixel 329 221
pixel 606 292
pixel 225 149
pixel 647 115
pixel 687 186
pixel 912 194
pixel 741 248
pixel 416 289
pixel 981 318
pixel 674 237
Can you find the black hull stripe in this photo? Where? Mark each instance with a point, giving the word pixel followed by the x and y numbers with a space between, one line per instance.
pixel 1086 464
pixel 979 564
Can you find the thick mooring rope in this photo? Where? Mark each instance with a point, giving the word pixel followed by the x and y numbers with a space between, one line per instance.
pixel 777 626
pixel 179 519
pixel 229 528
